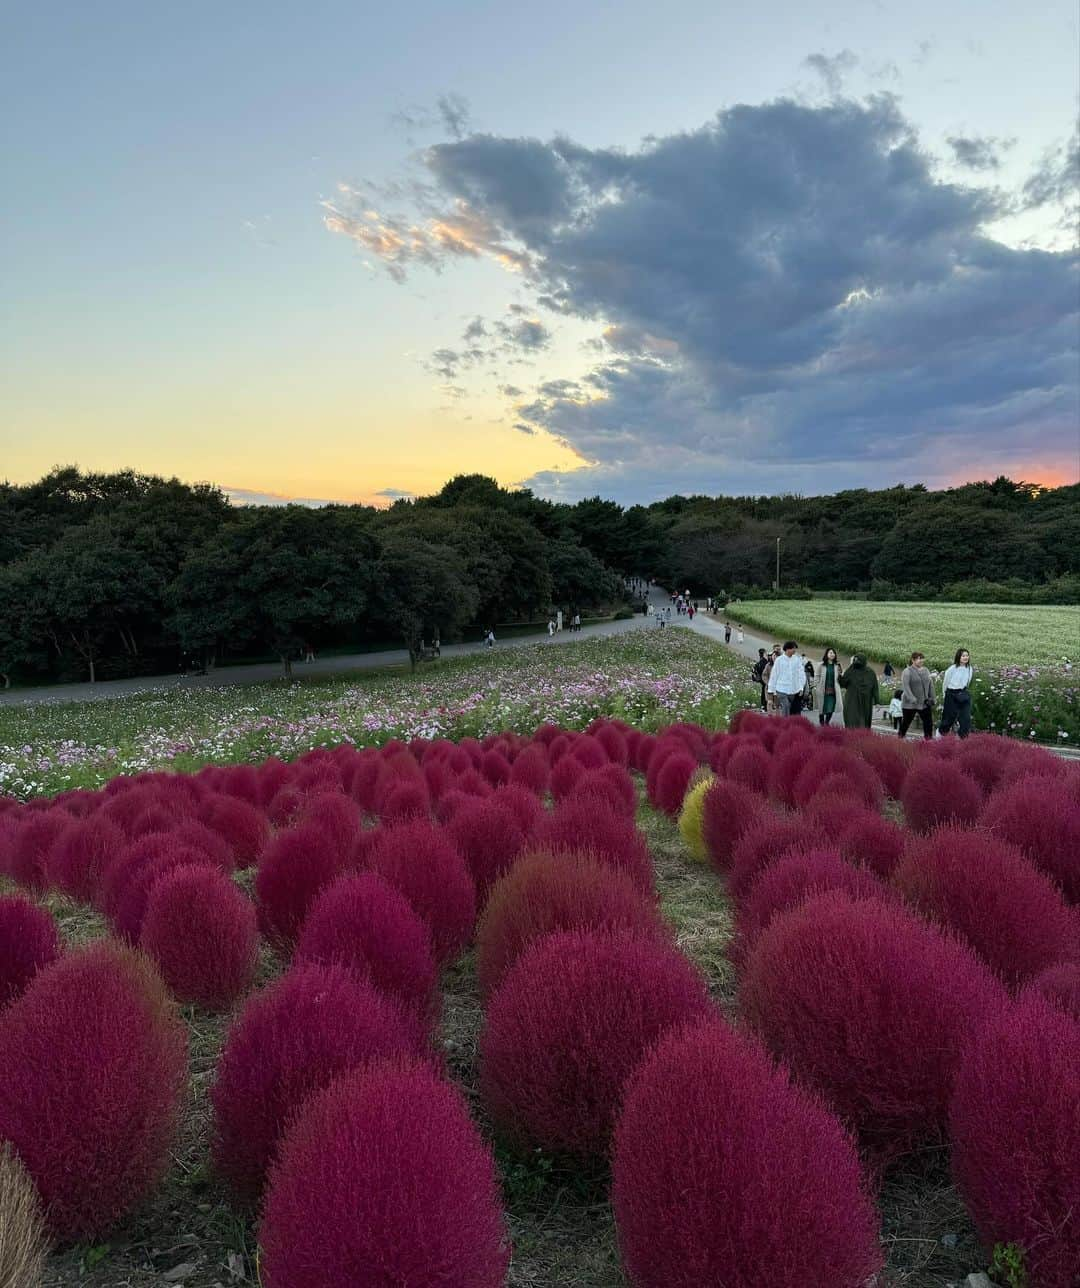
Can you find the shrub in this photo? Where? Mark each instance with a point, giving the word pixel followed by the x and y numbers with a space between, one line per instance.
pixel 29 847
pixel 28 941
pixel 240 825
pixel 1041 817
pixel 872 842
pixel 384 1179
pixel 791 881
pixel 985 890
pixel 712 1143
pixel 419 860
pixel 889 758
pixel 838 771
pixel 611 784
pixel 530 770
pixel 22 1228
pixel 728 811
pixel 1013 1124
pixel 92 1071
pixel 614 743
pixel 127 920
pixel 489 838
pixel 749 765
pixel 337 817
pixel 406 800
pixel 935 793
pixel 785 767
pixel 363 923
pixel 295 866
pixel 832 812
pixel 672 782
pixel 1060 984
pixel 563 891
pixel 582 824
pixel 871 1006
pixel 80 855
pixel 202 934
pixel 523 804
pixel 290 1040
pixel 564 777
pixel 567 1026
pixel 692 819
pixel 773 837
pixel 495 768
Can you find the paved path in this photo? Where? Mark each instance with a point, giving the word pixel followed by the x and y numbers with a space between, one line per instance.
pixel 301 670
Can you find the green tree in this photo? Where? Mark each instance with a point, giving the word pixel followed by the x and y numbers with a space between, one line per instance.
pixel 421 590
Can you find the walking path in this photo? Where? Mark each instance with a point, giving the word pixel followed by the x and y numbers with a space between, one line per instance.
pixel 301 670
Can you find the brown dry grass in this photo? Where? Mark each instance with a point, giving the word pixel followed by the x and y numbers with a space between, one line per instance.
pixel 22 1232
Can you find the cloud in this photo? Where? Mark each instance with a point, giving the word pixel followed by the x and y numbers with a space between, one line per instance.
pixel 833 70
pixel 454 113
pixel 246 496
pixel 978 153
pixel 395 493
pixel 1056 179
pixel 786 297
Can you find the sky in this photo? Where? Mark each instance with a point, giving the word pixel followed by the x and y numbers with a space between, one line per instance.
pixel 344 252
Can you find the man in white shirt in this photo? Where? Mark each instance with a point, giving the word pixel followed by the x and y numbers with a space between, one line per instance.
pixel 787 679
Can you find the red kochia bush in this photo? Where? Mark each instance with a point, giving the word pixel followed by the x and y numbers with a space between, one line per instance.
pixel 728 810
pixel 530 769
pixel 127 920
pixel 788 882
pixel 28 941
pixel 384 1179
pixel 775 836
pixel 712 1143
pixel 1013 1124
pixel 889 758
pixel 241 826
pixel 363 923
pixel 545 892
pixel 749 765
pixel 1042 817
pixel 872 842
pixel 92 1071
pixel 33 839
pixel 935 793
pixel 871 1006
pixel 337 815
pixel 567 1026
pixel 984 889
pixel 832 769
pixel 495 768
pixel 289 1040
pixel 672 781
pixel 489 837
pixel 295 866
pixel 566 774
pixel 80 855
pixel 524 806
pixel 420 861
pixel 1060 984
pixel 201 932
pixel 611 784
pixel 584 824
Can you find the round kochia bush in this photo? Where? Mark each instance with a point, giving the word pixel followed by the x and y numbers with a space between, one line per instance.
pixel 28 941
pixel 295 866
pixel 201 932
pixel 420 861
pixel 80 855
pixel 872 1006
pixel 289 1040
pixel 384 1179
pixel 1014 1125
pixel 545 892
pixel 490 838
pixel 1061 985
pixel 774 837
pixel 972 882
pixel 567 1026
pixel 1042 817
pixel 363 923
pixel 727 811
pixel 92 1071
pixel 581 824
pixel 726 1173
pixel 936 793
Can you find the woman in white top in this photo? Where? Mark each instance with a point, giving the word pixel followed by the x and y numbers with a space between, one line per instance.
pixel 956 705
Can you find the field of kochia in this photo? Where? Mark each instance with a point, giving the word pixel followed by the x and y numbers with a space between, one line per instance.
pixel 997 635
pixel 763 1004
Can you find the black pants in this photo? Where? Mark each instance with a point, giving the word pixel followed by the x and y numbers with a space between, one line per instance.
pixel 956 710
pixel 926 715
pixel 764 699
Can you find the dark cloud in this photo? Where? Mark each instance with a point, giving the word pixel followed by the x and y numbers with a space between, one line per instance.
pixel 395 493
pixel 1056 180
pixel 788 294
pixel 978 153
pixel 454 113
pixel 475 330
pixel 833 70
pixel 522 428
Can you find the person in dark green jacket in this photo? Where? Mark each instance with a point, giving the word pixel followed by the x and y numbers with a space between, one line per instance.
pixel 860 693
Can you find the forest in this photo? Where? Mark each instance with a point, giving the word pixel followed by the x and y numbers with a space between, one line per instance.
pixel 106 575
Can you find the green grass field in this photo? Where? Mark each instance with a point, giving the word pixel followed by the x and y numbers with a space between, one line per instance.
pixel 998 635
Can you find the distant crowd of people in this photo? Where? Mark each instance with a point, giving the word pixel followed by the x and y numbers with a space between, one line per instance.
pixel 790 685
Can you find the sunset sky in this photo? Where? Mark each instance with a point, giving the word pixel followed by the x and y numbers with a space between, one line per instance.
pixel 330 251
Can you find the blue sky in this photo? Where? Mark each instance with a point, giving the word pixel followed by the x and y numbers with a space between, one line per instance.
pixel 654 248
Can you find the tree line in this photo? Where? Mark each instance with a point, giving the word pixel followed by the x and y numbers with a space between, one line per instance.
pixel 117 574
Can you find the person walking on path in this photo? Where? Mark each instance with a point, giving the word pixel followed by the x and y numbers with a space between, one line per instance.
pixel 758 672
pixel 917 696
pixel 956 695
pixel 727 632
pixel 770 697
pixel 828 681
pixel 739 636
pixel 787 679
pixel 896 708
pixel 859 683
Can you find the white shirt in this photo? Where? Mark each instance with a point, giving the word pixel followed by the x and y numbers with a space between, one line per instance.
pixel 788 674
pixel 956 677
